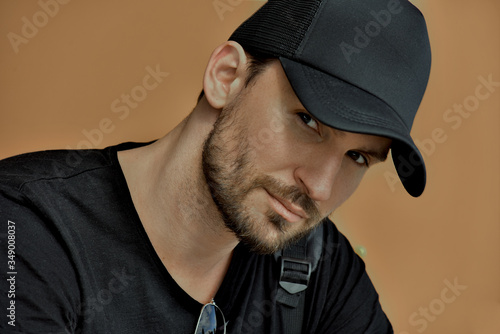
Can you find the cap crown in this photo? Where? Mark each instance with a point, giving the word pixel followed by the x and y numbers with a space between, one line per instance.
pixel 380 46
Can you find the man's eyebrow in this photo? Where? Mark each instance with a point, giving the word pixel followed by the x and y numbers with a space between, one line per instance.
pixel 380 155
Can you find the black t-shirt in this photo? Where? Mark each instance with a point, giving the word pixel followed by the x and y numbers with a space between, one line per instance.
pixel 81 262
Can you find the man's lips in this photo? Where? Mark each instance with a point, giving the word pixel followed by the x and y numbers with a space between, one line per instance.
pixel 291 212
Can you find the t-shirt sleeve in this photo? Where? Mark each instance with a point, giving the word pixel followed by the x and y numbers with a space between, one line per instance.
pixel 37 279
pixel 352 303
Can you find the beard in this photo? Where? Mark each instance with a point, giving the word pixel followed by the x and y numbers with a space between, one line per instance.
pixel 231 178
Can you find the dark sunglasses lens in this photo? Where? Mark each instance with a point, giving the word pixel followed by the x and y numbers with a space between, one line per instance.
pixel 211 321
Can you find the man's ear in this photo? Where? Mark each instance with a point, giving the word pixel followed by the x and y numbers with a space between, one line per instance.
pixel 225 74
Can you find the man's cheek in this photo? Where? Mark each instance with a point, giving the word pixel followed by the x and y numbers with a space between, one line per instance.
pixel 345 185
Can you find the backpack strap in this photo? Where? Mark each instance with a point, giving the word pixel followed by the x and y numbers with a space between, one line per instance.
pixel 297 262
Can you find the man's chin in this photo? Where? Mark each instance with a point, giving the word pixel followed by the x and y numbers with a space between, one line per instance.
pixel 262 247
pixel 273 241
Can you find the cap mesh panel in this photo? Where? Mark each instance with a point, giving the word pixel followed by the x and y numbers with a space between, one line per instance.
pixel 277 28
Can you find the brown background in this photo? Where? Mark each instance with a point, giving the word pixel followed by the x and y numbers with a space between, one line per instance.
pixel 63 79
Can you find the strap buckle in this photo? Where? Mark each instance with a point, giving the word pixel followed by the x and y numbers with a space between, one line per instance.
pixel 295 274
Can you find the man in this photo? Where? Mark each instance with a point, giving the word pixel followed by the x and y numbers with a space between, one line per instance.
pixel 184 234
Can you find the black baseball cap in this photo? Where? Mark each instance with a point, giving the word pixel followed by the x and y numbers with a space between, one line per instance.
pixel 356 65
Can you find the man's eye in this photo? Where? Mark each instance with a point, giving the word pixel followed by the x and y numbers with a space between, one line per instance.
pixel 309 121
pixel 358 158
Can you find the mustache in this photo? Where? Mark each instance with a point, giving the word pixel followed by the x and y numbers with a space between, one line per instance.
pixel 290 193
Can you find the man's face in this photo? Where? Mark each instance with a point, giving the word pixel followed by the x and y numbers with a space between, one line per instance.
pixel 275 172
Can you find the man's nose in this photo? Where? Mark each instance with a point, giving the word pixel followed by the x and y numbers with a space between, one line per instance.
pixel 318 176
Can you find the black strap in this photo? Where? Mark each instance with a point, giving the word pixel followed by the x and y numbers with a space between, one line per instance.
pixel 297 263
pixel 293 317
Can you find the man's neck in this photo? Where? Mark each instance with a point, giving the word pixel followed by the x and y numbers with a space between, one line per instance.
pixel 174 204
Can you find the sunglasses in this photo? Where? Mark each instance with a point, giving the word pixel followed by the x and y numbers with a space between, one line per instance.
pixel 211 320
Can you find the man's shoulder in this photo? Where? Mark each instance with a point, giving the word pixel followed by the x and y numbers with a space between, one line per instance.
pixel 25 168
pixel 45 165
